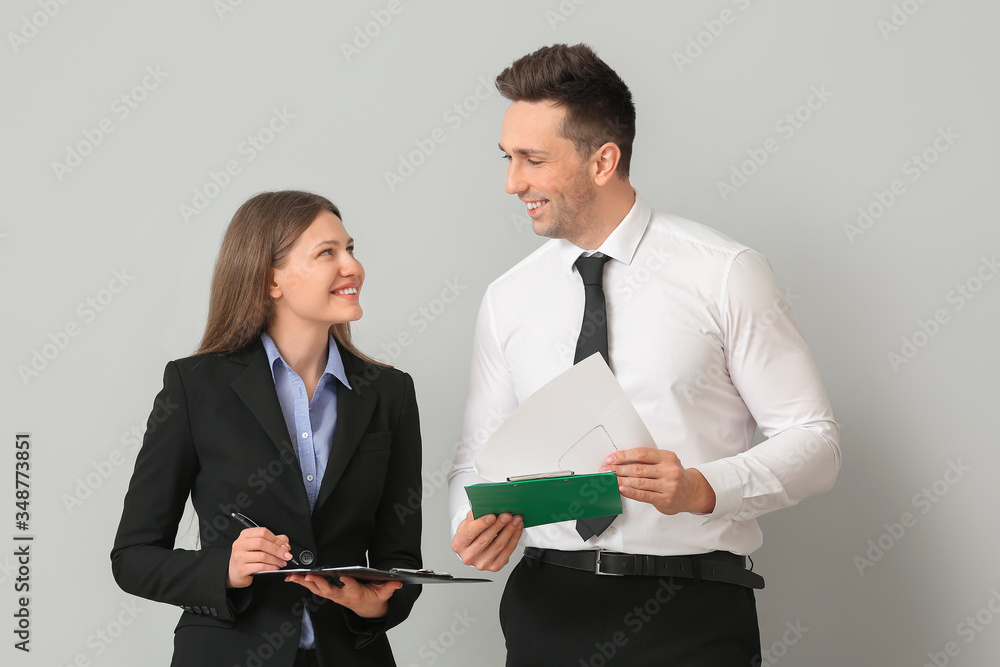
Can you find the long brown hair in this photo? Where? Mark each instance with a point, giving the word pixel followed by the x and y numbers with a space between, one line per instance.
pixel 257 240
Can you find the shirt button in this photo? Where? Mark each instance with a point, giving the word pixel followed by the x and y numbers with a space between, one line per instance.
pixel 613 531
pixel 309 478
pixel 305 435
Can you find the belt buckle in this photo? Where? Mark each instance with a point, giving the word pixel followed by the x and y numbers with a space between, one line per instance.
pixel 597 566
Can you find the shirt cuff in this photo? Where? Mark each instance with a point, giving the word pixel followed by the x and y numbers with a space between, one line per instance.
pixel 727 486
pixel 458 518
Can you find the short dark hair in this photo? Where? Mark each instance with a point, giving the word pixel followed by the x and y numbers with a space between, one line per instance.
pixel 598 104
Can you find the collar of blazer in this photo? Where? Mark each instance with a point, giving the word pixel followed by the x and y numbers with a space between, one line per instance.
pixel 255 387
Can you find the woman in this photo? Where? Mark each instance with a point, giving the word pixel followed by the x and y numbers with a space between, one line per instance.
pixel 279 418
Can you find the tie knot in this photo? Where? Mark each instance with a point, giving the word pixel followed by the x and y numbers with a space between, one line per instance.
pixel 592 269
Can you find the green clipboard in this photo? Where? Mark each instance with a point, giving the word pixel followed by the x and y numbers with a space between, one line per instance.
pixel 549 499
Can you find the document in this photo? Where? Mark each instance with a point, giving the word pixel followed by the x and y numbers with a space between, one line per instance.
pixel 572 423
pixel 371 574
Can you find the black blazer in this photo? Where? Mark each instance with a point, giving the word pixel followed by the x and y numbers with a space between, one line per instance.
pixel 217 433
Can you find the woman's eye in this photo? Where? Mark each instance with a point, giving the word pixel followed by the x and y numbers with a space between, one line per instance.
pixel 350 250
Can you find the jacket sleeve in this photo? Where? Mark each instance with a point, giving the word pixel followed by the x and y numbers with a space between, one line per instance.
pixel 143 559
pixel 396 542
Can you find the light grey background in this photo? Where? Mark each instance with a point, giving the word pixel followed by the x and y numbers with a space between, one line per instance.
pixel 448 229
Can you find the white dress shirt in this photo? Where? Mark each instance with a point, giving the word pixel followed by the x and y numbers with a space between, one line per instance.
pixel 703 343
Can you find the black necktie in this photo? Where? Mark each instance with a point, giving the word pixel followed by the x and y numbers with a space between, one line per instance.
pixel 593 338
pixel 594 329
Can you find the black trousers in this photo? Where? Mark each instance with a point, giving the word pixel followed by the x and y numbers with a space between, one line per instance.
pixel 554 616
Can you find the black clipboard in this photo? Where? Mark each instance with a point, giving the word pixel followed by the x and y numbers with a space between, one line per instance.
pixel 371 574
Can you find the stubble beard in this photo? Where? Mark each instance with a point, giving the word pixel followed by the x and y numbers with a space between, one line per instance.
pixel 576 217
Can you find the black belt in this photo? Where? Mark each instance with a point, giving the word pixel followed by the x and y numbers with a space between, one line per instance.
pixel 721 566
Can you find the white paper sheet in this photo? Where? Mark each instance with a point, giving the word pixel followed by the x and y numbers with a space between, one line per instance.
pixel 572 423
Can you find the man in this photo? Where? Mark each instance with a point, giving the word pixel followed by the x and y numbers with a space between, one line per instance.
pixel 700 337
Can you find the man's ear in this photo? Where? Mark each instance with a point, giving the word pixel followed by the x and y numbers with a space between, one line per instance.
pixel 607 158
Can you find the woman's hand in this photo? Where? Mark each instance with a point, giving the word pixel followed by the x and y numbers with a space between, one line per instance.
pixel 256 550
pixel 367 600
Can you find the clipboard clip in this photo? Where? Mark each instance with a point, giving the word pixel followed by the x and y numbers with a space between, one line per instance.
pixel 403 570
pixel 541 475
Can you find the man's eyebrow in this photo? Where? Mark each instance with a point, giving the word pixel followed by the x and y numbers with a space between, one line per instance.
pixel 524 151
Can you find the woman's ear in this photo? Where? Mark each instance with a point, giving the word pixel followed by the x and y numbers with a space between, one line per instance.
pixel 273 288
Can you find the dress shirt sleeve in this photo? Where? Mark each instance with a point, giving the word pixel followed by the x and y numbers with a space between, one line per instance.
pixel 772 369
pixel 144 561
pixel 490 400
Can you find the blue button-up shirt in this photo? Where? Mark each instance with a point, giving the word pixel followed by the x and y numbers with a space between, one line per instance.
pixel 311 425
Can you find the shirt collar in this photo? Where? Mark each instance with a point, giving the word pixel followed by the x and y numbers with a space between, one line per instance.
pixel 621 243
pixel 334 363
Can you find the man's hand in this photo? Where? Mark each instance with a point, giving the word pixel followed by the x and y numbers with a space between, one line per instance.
pixel 486 543
pixel 656 476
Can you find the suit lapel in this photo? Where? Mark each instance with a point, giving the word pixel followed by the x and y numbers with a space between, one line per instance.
pixel 354 412
pixel 255 387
